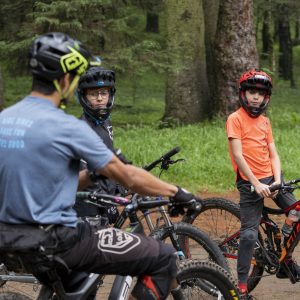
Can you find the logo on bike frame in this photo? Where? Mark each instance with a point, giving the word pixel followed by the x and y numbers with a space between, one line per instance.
pixel 116 241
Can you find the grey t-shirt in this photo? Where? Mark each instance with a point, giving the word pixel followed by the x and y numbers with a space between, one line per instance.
pixel 40 151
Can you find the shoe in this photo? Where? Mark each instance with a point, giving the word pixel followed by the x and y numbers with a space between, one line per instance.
pixel 245 296
pixel 294 268
pixel 243 292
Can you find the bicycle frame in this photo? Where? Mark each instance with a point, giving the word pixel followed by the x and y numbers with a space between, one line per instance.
pixel 288 249
pixel 270 228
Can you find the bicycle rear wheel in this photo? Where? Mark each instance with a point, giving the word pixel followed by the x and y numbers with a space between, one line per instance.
pixel 220 219
pixel 194 278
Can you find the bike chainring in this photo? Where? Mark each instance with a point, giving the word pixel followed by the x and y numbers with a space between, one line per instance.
pixel 272 268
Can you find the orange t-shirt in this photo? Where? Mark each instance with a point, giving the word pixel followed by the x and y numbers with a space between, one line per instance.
pixel 255 135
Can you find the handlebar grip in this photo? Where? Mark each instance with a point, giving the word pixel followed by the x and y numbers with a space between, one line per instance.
pixel 152 203
pixel 275 187
pixel 82 195
pixel 171 153
pixel 164 157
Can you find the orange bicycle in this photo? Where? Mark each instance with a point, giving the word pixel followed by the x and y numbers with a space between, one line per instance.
pixel 271 251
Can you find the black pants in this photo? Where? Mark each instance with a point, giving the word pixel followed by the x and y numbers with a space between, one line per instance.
pixel 251 205
pixel 112 251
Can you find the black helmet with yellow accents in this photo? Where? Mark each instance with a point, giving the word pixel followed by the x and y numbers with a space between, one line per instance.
pixel 54 54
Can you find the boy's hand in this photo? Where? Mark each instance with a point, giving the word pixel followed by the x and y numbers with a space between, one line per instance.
pixel 262 190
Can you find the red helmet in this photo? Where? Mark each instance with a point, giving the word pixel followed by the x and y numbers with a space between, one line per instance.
pixel 258 80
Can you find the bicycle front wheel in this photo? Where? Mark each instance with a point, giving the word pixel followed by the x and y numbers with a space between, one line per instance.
pixel 193 243
pixel 195 277
pixel 220 219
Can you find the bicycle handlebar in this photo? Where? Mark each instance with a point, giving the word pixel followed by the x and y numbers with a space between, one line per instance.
pixel 275 187
pixel 140 203
pixel 82 195
pixel 284 185
pixel 161 159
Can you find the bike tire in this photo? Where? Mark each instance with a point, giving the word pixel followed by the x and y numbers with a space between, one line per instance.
pixel 220 219
pixel 194 243
pixel 191 275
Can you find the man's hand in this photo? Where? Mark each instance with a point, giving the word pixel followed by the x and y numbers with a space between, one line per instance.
pixel 183 197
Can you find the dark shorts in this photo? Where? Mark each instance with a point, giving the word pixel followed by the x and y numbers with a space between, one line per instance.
pixel 113 251
pixel 102 250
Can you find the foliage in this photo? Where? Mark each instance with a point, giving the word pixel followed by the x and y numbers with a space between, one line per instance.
pixel 114 29
pixel 204 146
pixel 110 28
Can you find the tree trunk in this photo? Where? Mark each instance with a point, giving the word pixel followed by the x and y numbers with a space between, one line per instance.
pixel 285 45
pixel 235 50
pixel 267 36
pixel 297 31
pixel 152 24
pixel 211 11
pixel 186 91
pixel 1 91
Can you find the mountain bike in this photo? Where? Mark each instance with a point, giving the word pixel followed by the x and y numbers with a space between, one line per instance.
pixel 190 274
pixel 185 238
pixel 188 241
pixel 210 284
pixel 270 250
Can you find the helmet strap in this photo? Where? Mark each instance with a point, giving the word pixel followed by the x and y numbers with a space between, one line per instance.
pixel 97 121
pixel 65 95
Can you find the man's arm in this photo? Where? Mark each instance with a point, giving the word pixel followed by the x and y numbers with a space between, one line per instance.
pixel 84 179
pixel 237 152
pixel 137 179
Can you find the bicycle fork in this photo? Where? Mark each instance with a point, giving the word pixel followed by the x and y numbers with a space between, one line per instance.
pixel 120 288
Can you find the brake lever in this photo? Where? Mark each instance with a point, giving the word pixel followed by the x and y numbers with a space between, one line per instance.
pixel 166 163
pixel 177 160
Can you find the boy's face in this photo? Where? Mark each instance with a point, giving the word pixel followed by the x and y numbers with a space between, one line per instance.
pixel 255 97
pixel 98 97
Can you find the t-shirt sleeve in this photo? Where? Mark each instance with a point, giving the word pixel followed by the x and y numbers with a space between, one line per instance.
pixel 270 138
pixel 233 127
pixel 87 145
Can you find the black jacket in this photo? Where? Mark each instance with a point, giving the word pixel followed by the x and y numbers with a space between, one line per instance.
pixel 105 132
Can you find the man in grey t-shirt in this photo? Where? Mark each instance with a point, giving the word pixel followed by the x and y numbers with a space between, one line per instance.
pixel 40 150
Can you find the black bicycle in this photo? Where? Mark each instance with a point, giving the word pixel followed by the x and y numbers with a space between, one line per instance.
pixel 190 275
pixel 188 240
pixel 270 251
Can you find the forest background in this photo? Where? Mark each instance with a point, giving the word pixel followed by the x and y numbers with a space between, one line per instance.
pixel 177 65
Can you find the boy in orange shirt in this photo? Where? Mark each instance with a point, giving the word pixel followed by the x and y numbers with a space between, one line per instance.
pixel 257 165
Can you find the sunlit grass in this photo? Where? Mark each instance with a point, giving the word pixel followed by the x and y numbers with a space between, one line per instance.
pixel 136 118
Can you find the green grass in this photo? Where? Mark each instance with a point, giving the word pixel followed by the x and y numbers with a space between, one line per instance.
pixel 207 167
